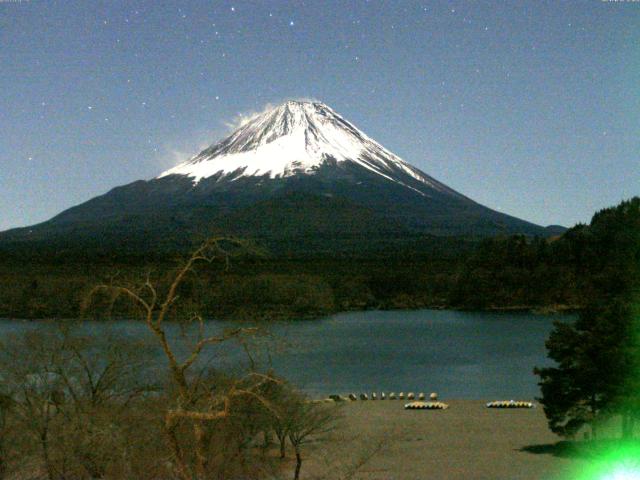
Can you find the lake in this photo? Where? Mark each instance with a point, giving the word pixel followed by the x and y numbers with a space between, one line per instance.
pixel 465 355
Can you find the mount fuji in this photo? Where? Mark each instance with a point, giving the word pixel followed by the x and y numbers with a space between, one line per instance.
pixel 298 172
pixel 299 138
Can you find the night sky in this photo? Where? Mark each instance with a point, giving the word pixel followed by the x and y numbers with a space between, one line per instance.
pixel 528 107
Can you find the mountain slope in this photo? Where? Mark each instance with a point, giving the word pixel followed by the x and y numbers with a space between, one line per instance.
pixel 297 138
pixel 296 171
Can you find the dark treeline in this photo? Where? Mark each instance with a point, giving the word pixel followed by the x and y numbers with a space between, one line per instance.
pixel 514 272
pixel 596 372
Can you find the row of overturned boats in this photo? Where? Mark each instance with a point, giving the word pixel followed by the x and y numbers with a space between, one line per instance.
pixel 420 403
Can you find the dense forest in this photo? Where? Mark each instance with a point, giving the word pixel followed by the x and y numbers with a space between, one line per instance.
pixel 595 374
pixel 275 281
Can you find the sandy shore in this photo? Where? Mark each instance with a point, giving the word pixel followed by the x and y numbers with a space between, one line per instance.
pixel 381 440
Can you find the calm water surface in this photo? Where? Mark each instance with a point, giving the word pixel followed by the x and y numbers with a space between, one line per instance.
pixel 458 354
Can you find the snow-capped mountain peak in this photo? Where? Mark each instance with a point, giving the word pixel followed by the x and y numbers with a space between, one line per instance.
pixel 299 178
pixel 297 138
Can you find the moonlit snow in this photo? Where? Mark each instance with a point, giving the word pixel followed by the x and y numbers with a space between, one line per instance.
pixel 292 139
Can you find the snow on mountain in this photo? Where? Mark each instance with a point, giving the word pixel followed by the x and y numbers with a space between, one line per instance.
pixel 298 173
pixel 297 138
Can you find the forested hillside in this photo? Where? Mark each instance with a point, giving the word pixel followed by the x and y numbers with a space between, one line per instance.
pixel 514 272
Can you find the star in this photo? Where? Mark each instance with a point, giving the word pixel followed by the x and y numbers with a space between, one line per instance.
pixel 291 24
pixel 233 9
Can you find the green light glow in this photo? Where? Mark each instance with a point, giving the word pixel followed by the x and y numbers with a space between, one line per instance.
pixel 623 473
pixel 616 461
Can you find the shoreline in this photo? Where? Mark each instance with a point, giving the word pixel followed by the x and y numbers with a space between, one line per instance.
pixel 548 310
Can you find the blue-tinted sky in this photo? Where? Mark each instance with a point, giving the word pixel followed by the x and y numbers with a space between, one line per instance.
pixel 530 107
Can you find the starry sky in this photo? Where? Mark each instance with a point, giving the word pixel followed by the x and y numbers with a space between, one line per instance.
pixel 529 107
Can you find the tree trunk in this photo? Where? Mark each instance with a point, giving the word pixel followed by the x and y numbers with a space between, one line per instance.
pixel 44 443
pixel 201 458
pixel 296 475
pixel 174 445
pixel 267 439
pixel 283 445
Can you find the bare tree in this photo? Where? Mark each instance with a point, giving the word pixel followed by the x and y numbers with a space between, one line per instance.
pixel 194 404
pixel 36 392
pixel 65 392
pixel 101 377
pixel 307 421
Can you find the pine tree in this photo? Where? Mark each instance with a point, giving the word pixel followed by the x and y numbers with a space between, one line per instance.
pixel 597 371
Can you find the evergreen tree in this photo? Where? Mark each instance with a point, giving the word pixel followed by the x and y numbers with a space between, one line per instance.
pixel 597 357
